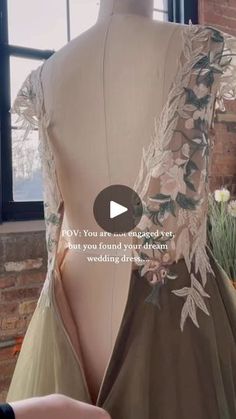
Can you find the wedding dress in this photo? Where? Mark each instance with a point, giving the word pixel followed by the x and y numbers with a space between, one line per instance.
pixel 175 353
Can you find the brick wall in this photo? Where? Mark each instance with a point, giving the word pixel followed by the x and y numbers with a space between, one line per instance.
pixel 222 15
pixel 22 272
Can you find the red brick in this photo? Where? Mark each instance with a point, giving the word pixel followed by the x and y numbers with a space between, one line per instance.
pixel 9 323
pixel 7 353
pixel 4 383
pixel 7 281
pixel 20 294
pixel 7 367
pixel 8 308
pixel 27 278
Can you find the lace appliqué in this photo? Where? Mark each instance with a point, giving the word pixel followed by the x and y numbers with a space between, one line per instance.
pixel 29 106
pixel 173 179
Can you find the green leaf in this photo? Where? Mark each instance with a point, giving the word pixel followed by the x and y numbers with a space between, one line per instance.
pixel 161 197
pixel 203 102
pixel 202 63
pixel 216 36
pixel 144 256
pixel 206 79
pixel 172 208
pixel 192 98
pixel 191 167
pixel 186 202
pixel 154 216
pixel 189 184
pixel 154 296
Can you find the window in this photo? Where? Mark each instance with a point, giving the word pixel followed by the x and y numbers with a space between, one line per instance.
pixel 160 11
pixel 28 36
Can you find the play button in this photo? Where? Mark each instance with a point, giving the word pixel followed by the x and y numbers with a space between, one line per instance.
pixel 117 209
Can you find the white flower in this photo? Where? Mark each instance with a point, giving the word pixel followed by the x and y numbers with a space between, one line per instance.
pixel 232 208
pixel 172 182
pixel 201 90
pixel 164 164
pixel 222 195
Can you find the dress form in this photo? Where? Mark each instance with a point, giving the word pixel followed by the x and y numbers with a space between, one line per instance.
pixel 102 92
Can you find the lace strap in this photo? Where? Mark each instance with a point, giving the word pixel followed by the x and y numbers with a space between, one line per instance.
pixel 29 106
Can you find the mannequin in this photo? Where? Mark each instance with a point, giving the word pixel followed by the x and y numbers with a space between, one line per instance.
pixel 138 7
pixel 108 97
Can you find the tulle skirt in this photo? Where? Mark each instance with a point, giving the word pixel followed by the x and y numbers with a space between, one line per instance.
pixel 156 371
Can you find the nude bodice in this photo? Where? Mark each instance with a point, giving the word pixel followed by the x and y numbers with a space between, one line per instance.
pixel 102 92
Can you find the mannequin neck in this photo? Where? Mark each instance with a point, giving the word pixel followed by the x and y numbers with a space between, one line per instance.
pixel 138 7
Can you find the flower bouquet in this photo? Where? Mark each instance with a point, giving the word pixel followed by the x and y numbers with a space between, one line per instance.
pixel 222 230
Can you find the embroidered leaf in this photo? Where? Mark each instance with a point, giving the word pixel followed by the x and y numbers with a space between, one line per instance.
pixel 199 301
pixel 202 63
pixel 167 207
pixel 182 292
pixel 216 68
pixel 154 296
pixel 192 98
pixel 171 276
pixel 184 315
pixel 199 287
pixel 186 202
pixel 154 216
pixel 182 247
pixel 190 167
pixel 189 184
pixel 160 197
pixel 197 140
pixel 172 208
pixel 144 256
pixel 216 36
pixel 192 310
pixel 207 79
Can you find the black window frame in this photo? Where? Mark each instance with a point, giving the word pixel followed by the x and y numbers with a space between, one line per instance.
pixel 12 210
pixel 182 11
pixel 179 11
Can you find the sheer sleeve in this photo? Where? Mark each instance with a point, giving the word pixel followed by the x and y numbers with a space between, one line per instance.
pixel 29 106
pixel 173 180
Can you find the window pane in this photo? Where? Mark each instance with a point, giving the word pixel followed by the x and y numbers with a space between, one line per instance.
pixel 161 4
pixel 27 178
pixel 26 166
pixel 83 15
pixel 37 23
pixel 20 68
pixel 160 16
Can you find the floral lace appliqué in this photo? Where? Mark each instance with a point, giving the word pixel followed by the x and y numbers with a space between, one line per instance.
pixel 176 166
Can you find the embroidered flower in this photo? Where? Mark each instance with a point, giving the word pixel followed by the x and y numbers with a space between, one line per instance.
pixel 200 90
pixel 173 182
pixel 164 164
